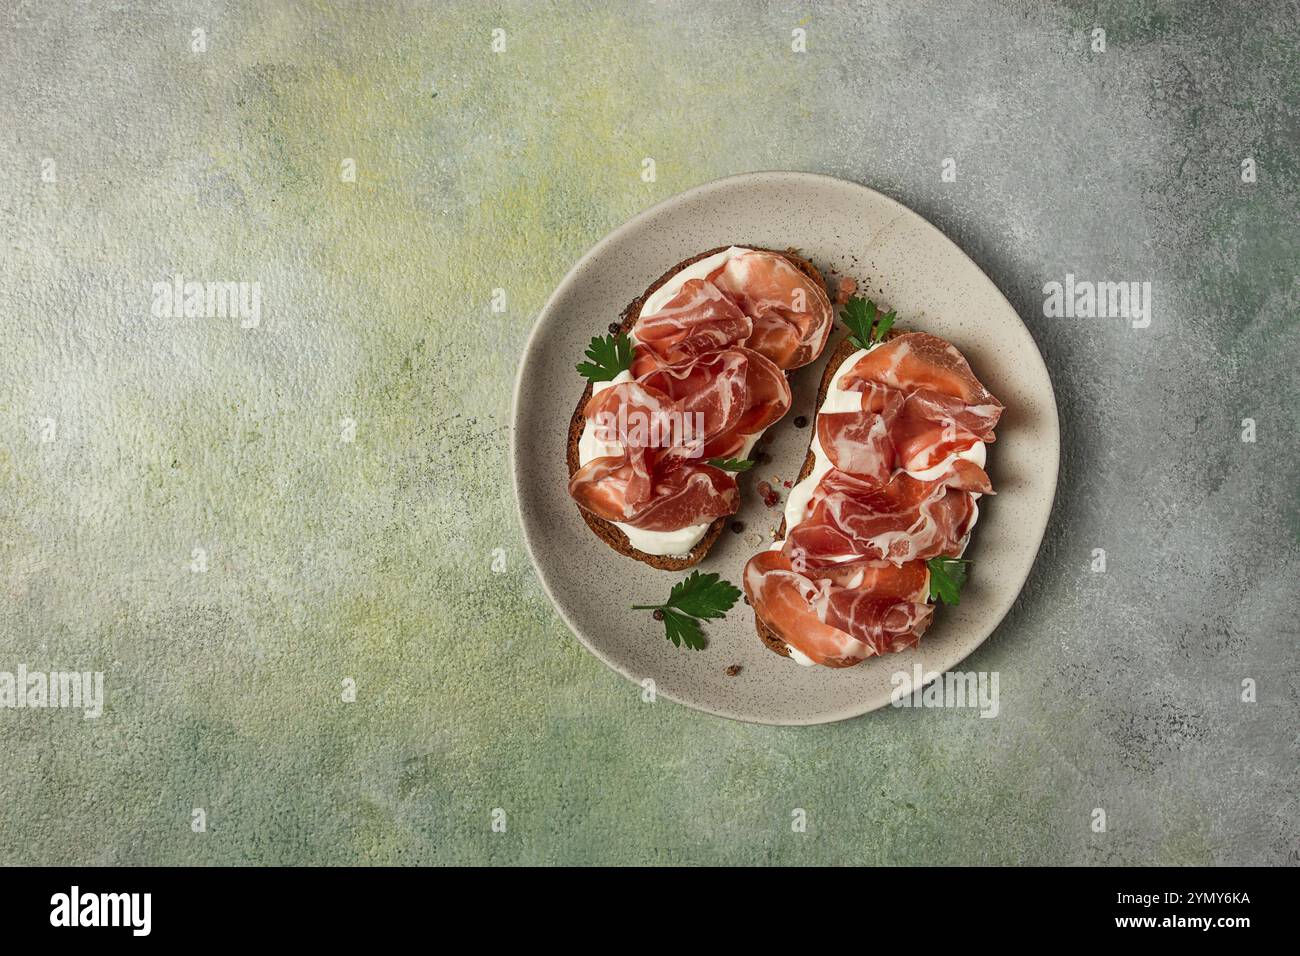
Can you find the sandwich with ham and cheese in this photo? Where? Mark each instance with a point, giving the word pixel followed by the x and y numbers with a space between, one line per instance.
pixel 880 517
pixel 681 391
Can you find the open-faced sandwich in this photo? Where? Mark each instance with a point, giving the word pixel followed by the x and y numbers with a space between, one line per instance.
pixel 681 390
pixel 879 520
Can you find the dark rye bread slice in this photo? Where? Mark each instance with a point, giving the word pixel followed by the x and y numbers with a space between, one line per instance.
pixel 838 358
pixel 606 530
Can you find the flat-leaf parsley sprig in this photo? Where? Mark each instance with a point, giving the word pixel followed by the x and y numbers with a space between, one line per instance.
pixel 609 356
pixel 698 597
pixel 947 575
pixel 866 323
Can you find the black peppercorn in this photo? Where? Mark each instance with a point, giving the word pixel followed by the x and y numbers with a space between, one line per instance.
pixel 801 421
pixel 613 328
pixel 658 615
pixel 737 526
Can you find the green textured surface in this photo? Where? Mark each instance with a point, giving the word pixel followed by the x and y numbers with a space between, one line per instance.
pixel 372 559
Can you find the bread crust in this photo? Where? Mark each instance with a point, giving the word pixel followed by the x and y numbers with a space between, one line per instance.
pixel 605 530
pixel 838 358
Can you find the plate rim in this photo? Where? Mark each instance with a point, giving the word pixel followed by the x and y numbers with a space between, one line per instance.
pixel 532 346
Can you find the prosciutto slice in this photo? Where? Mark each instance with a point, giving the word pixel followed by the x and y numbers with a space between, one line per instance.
pixel 903 520
pixel 920 392
pixel 642 420
pixel 692 493
pixel 667 424
pixel 836 625
pixel 862 442
pixel 697 320
pixel 738 393
pixel 920 360
pixel 791 313
pixel 757 299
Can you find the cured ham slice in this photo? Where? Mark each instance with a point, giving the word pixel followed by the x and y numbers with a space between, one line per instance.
pixel 866 446
pixel 903 520
pixel 918 360
pixel 861 442
pixel 697 320
pixel 667 423
pixel 737 392
pixel 692 493
pixel 909 580
pixel 944 410
pixel 835 625
pixel 757 299
pixel 922 408
pixel 791 313
pixel 642 420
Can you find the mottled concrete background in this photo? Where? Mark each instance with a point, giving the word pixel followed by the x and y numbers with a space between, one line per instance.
pixel 128 441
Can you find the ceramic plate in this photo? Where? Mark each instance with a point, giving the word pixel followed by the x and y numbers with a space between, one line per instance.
pixel 905 263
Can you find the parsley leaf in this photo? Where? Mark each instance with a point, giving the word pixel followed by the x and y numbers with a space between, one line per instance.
pixel 883 325
pixel 947 575
pixel 683 629
pixel 704 595
pixel 865 322
pixel 697 597
pixel 732 464
pixel 857 316
pixel 609 354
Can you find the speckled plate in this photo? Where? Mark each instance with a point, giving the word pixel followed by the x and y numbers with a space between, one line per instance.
pixel 906 263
